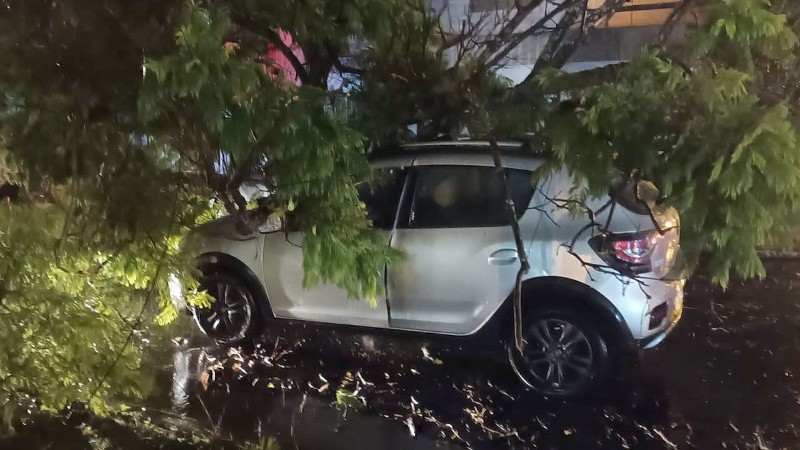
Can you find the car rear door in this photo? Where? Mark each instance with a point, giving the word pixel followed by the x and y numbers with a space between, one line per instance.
pixel 461 261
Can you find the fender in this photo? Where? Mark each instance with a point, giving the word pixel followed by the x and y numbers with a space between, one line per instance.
pixel 569 291
pixel 211 260
pixel 553 291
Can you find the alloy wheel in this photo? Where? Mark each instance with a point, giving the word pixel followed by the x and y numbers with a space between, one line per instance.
pixel 558 354
pixel 229 317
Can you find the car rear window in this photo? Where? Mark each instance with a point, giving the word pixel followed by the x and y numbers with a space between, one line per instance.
pixel 466 196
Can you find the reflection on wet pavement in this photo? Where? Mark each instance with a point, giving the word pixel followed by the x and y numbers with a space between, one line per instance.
pixel 726 378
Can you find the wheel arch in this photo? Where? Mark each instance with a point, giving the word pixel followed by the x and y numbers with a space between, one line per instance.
pixel 551 291
pixel 216 260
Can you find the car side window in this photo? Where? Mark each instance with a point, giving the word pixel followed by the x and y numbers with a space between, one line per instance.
pixel 466 196
pixel 381 195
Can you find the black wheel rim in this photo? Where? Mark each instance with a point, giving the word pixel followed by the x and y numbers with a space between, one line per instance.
pixel 558 354
pixel 228 318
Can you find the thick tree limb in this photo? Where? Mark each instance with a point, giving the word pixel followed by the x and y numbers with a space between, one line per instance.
pixel 508 29
pixel 562 46
pixel 555 53
pixel 673 20
pixel 523 256
pixel 536 28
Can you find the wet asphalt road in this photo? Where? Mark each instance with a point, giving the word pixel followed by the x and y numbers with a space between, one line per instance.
pixel 728 377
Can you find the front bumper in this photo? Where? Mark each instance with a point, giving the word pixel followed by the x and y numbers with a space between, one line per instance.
pixel 675 314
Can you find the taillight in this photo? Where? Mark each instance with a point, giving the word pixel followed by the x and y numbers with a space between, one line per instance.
pixel 626 252
pixel 634 251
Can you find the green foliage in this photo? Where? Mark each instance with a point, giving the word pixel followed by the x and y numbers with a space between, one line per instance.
pixel 697 121
pixel 81 277
pixel 66 311
pixel 407 81
pixel 117 167
pixel 87 252
pixel 219 98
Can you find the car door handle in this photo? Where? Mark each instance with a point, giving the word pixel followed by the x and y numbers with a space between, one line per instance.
pixel 503 257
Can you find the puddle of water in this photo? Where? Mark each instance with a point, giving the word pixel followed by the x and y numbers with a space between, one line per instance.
pixel 283 393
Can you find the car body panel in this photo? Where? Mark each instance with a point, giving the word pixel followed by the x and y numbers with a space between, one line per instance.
pixel 480 263
pixel 447 283
pixel 283 274
pixel 220 236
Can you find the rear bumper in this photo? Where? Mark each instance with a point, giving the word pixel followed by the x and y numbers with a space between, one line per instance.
pixel 675 314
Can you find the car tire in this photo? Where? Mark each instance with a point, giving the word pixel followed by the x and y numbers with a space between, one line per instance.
pixel 233 318
pixel 565 353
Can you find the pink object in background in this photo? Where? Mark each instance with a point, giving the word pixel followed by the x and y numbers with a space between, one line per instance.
pixel 279 63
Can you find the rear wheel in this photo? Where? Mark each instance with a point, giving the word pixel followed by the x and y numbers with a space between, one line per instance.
pixel 233 316
pixel 564 352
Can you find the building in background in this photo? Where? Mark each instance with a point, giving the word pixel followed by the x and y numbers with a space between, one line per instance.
pixel 619 39
pixel 614 40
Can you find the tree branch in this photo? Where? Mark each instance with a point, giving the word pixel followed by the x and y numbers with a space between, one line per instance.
pixel 556 53
pixel 507 30
pixel 523 257
pixel 672 21
pixel 531 31
pixel 337 63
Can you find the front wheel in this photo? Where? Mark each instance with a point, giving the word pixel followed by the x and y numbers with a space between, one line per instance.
pixel 233 316
pixel 564 353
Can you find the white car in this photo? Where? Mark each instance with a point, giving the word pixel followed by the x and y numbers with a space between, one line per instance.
pixel 596 287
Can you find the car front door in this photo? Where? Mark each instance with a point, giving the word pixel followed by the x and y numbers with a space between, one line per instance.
pixel 461 261
pixel 283 264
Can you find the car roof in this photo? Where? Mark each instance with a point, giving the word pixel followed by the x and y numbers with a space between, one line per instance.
pixel 466 153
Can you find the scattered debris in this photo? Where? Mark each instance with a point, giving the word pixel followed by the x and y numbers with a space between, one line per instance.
pixel 762 445
pixel 446 401
pixel 427 357
pixel 660 434
pixel 412 430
